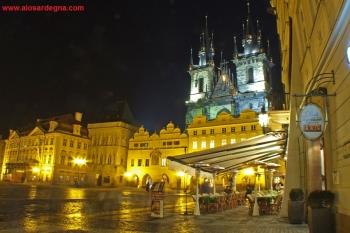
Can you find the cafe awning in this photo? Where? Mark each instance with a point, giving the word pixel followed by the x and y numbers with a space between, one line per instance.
pixel 235 156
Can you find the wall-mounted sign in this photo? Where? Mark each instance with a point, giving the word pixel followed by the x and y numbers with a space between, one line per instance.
pixel 311 121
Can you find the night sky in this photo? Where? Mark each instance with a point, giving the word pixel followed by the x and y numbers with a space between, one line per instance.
pixel 138 51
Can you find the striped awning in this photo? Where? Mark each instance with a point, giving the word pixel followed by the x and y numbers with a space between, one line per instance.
pixel 235 156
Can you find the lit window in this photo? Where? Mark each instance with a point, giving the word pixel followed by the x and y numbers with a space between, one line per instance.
pixel 233 140
pixel 79 145
pixel 176 142
pixel 223 142
pixel 243 128
pixel 164 162
pixel 204 144
pixel 194 144
pixel 212 144
pixel 233 129
pixel 211 131
pixel 169 143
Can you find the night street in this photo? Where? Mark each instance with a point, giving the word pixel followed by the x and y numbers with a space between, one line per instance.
pixel 25 208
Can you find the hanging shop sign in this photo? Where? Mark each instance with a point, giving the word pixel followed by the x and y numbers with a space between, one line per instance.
pixel 311 121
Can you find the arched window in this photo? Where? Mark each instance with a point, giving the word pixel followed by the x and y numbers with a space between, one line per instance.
pixel 250 74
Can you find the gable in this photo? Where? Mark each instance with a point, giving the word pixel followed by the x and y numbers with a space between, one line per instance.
pixel 36 131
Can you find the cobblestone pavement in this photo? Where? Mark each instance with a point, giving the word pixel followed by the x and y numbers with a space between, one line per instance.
pixel 57 210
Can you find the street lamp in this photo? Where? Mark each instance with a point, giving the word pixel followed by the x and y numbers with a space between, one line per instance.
pixel 79 162
pixel 263 120
pixel 183 176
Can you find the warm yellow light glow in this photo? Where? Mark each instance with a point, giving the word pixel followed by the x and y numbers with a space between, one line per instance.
pixel 248 171
pixel 263 119
pixel 180 173
pixel 128 174
pixel 47 169
pixel 224 78
pixel 79 161
pixel 35 169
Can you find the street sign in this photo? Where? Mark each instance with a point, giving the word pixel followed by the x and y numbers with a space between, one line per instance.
pixel 311 121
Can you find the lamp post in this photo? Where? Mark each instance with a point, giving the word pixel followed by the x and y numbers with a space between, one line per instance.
pixel 79 162
pixel 182 174
pixel 198 167
pixel 263 120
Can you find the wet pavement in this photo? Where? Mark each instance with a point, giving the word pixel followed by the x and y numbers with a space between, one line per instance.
pixel 31 208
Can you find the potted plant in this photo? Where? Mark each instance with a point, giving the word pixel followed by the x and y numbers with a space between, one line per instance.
pixel 296 206
pixel 320 213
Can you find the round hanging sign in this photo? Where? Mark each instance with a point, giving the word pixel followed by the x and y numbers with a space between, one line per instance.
pixel 311 121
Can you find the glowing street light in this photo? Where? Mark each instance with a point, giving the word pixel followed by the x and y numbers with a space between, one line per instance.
pixel 79 162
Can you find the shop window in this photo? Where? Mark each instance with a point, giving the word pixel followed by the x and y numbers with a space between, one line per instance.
pixel 212 144
pixel 194 145
pixel 163 162
pixel 204 145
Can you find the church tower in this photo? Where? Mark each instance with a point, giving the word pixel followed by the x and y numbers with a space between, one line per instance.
pixel 202 75
pixel 252 70
pixel 218 89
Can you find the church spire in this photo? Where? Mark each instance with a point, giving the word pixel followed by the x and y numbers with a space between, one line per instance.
pixel 249 35
pixel 211 50
pixel 235 51
pixel 191 60
pixel 202 52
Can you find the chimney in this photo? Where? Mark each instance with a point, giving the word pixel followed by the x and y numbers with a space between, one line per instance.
pixel 78 116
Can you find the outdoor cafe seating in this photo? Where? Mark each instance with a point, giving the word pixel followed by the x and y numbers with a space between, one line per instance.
pixel 268 203
pixel 209 203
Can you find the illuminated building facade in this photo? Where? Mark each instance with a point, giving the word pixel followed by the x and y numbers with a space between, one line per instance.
pixel 216 89
pixel 108 151
pixel 2 151
pixel 223 130
pixel 315 38
pixel 47 151
pixel 147 156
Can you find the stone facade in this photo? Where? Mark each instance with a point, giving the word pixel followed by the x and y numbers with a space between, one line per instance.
pixel 108 151
pixel 45 152
pixel 216 89
pixel 315 36
pixel 223 130
pixel 147 156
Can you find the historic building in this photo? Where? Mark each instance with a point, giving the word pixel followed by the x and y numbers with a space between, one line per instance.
pixel 315 43
pixel 2 151
pixel 147 156
pixel 108 151
pixel 51 150
pixel 225 129
pixel 216 89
